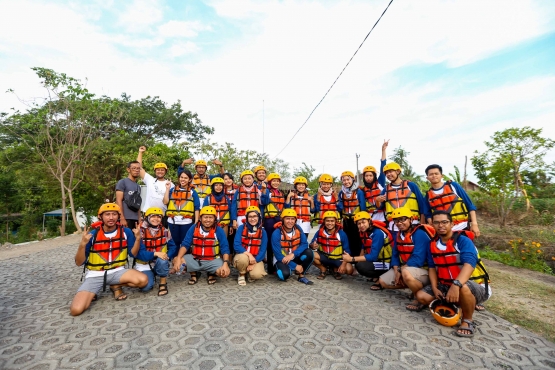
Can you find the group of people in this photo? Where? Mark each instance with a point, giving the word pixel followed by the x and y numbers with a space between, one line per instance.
pixel 387 232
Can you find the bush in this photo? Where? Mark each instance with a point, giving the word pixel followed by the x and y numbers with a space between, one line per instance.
pixel 521 253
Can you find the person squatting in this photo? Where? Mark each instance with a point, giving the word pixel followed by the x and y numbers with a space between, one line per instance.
pixel 387 232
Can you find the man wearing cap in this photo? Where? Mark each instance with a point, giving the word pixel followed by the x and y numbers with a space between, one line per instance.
pixel 155 186
pixel 250 246
pixel 104 252
pixel 291 252
pixel 410 250
pixel 209 249
pixel 329 244
pixel 201 180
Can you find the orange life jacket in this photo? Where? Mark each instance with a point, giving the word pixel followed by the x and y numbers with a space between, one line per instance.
pixel 402 196
pixel 202 185
pixel 329 244
pixel 222 209
pixel 251 242
pixel 107 253
pixel 230 193
pixel 448 263
pixel 154 243
pixel 370 195
pixel 246 199
pixel 406 247
pixel 290 244
pixel 275 207
pixel 181 203
pixel 325 206
pixel 301 205
pixel 450 202
pixel 350 205
pixel 205 247
pixel 366 240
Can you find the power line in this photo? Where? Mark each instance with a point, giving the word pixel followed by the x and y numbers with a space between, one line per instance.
pixel 321 100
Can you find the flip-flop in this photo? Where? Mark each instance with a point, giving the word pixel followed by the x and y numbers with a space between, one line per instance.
pixel 337 276
pixel 479 308
pixel 376 287
pixel 415 307
pixel 322 275
pixel 471 328
pixel 119 297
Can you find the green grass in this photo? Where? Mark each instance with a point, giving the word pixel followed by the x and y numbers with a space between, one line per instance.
pixel 508 258
pixel 521 318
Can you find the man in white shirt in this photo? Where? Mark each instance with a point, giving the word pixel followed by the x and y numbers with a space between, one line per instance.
pixel 155 186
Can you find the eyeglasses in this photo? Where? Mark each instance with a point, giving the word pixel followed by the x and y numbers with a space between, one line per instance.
pixel 442 223
pixel 400 220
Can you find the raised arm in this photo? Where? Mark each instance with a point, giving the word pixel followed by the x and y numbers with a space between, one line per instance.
pixel 142 149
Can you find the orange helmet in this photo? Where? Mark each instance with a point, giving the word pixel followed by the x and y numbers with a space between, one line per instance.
pixel 108 207
pixel 446 313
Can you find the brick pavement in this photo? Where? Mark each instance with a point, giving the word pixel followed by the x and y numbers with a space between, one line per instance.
pixel 265 325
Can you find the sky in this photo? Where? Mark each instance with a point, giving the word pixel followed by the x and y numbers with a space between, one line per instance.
pixel 435 77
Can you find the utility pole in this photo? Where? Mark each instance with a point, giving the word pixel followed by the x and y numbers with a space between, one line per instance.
pixel 357 177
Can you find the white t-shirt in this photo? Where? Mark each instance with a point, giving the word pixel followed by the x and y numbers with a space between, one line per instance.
pixel 155 190
pixel 94 273
pixel 304 225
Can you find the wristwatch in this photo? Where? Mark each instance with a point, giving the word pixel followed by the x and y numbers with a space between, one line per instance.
pixel 226 261
pixel 457 283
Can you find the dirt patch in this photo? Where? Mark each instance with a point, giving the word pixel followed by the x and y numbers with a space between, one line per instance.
pixel 17 250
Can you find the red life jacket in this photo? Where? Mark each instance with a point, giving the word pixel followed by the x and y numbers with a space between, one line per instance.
pixel 229 194
pixel 275 207
pixel 205 247
pixel 450 202
pixel 325 206
pixel 222 208
pixel 329 244
pixel 251 242
pixel 370 195
pixel 107 253
pixel 366 239
pixel 301 205
pixel 202 185
pixel 246 199
pixel 154 243
pixel 406 247
pixel 350 205
pixel 448 263
pixel 401 196
pixel 289 244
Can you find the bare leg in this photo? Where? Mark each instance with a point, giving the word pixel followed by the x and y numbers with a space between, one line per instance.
pixel 81 302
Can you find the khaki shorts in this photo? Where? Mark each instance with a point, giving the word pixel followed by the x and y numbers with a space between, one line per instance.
pixel 418 273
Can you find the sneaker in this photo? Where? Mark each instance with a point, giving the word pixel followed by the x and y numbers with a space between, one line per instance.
pixel 304 280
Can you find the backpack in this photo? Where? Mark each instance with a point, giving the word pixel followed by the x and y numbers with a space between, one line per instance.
pixel 134 200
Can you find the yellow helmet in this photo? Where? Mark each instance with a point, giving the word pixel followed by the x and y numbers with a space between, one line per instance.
pixel 208 210
pixel 245 173
pixel 108 207
pixel 362 215
pixel 273 176
pixel 288 212
pixel 161 165
pixel 391 166
pixel 252 209
pixel 300 180
pixel 329 214
pixel 201 162
pixel 217 180
pixel 369 169
pixel 154 211
pixel 446 313
pixel 347 173
pixel 325 178
pixel 259 168
pixel 401 212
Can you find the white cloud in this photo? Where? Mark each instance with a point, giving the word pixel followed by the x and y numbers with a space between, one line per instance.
pixel 141 14
pixel 181 29
pixel 183 48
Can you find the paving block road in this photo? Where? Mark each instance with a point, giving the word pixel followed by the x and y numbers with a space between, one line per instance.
pixel 264 325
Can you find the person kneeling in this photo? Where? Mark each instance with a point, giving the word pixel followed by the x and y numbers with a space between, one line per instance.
pixel 457 274
pixel 207 242
pixel 409 256
pixel 159 250
pixel 104 253
pixel 291 252
pixel 375 255
pixel 329 244
pixel 250 247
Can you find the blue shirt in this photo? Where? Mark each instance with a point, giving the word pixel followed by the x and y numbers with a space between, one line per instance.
pixel 378 240
pixel 238 245
pixel 421 242
pixel 276 246
pixel 342 237
pixel 220 236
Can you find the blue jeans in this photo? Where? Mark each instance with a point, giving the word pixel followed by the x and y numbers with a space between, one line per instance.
pixel 178 233
pixel 305 260
pixel 161 268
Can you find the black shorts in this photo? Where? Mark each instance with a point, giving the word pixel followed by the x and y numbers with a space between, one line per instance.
pixel 477 290
pixel 328 262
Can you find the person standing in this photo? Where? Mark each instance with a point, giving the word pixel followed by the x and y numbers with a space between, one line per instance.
pixel 128 196
pixel 155 186
pixel 230 188
pixel 260 176
pixel 247 195
pixel 374 185
pixel 302 203
pixel 201 180
pixel 219 201
pixel 325 199
pixel 351 201
pixel 274 199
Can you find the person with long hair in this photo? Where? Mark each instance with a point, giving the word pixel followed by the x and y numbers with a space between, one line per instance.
pixel 303 204
pixel 374 185
pixel 229 189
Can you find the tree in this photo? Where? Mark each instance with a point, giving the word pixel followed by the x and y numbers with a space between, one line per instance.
pixel 307 172
pixel 400 156
pixel 500 167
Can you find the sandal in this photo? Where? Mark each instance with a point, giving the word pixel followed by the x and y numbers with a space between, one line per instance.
pixel 479 308
pixel 162 290
pixel 240 280
pixel 193 279
pixel 376 287
pixel 415 307
pixel 322 275
pixel 118 297
pixel 471 328
pixel 337 276
pixel 211 279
